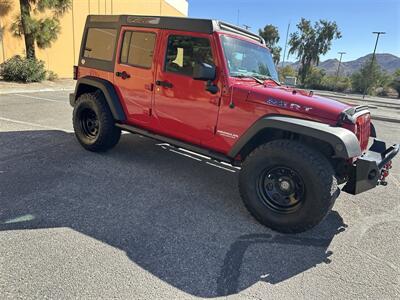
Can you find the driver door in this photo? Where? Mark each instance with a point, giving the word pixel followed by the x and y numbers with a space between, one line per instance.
pixel 184 109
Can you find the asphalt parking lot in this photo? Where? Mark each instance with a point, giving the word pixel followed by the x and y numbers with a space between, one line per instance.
pixel 145 221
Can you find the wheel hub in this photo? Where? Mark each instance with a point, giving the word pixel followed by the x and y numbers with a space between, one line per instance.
pixel 284 185
pixel 281 188
pixel 89 123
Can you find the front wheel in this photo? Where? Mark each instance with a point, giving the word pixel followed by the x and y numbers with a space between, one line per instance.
pixel 287 186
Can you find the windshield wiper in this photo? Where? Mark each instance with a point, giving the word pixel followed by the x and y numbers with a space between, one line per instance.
pixel 249 76
pixel 266 77
pixel 270 78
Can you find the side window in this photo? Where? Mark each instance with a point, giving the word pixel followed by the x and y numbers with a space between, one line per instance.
pixel 138 48
pixel 183 52
pixel 100 43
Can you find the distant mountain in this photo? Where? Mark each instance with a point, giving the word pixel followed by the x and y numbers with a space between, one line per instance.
pixel 388 62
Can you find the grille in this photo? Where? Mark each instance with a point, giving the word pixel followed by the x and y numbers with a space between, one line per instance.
pixel 363 127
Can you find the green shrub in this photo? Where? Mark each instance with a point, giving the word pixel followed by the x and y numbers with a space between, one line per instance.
pixel 22 69
pixel 51 76
pixel 395 83
pixel 314 79
pixel 285 72
pixel 338 84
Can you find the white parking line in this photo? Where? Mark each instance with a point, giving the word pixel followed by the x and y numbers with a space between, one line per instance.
pixel 33 124
pixel 396 181
pixel 41 98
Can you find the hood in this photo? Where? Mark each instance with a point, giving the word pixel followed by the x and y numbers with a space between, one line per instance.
pixel 293 100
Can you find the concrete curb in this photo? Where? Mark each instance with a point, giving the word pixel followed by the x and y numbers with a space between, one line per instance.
pixel 386 119
pixel 20 91
pixel 376 102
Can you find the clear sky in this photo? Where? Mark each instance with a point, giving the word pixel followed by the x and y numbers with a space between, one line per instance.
pixel 356 20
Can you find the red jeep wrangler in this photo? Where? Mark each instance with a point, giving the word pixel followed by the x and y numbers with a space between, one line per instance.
pixel 212 88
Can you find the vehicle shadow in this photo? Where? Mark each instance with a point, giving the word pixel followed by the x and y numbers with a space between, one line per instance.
pixel 180 219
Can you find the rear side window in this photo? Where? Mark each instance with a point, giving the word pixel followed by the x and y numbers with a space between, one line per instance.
pixel 138 48
pixel 100 43
pixel 183 52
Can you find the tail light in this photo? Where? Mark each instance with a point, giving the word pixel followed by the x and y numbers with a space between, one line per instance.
pixel 75 73
pixel 362 130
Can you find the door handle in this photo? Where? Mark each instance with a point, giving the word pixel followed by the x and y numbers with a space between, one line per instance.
pixel 123 75
pixel 164 83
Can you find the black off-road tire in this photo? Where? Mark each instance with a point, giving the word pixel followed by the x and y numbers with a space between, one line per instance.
pixel 308 166
pixel 92 109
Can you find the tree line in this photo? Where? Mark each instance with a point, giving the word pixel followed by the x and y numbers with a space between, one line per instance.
pixel 308 43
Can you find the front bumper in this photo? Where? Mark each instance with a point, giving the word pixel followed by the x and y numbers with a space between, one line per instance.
pixel 371 168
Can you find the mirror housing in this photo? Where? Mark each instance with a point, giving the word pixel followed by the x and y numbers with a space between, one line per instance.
pixel 204 71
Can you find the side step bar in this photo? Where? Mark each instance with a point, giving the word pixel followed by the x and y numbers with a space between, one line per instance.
pixel 214 155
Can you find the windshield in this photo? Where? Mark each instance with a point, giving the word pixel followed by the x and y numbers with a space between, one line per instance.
pixel 245 59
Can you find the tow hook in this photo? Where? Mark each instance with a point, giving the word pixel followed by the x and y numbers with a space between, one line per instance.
pixel 384 174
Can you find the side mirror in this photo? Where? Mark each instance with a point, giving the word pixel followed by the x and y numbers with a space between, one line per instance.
pixel 203 71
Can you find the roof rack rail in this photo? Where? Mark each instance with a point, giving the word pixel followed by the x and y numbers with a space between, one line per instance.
pixel 236 29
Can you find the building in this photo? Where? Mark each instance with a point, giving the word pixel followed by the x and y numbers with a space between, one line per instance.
pixel 63 53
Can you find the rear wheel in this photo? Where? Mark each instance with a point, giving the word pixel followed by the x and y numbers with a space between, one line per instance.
pixel 94 124
pixel 288 186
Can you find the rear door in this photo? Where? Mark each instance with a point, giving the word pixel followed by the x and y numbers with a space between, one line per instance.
pixel 134 72
pixel 183 107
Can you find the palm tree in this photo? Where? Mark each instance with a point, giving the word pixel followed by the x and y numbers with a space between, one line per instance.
pixel 5 8
pixel 37 29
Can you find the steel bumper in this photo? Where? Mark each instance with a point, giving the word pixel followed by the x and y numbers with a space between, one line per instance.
pixel 371 168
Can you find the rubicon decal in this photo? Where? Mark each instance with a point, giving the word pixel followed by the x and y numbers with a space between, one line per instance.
pixel 227 134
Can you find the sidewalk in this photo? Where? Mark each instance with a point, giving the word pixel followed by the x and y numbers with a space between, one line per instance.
pixel 45 86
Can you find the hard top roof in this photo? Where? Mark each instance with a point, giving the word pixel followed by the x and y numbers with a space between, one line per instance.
pixel 173 23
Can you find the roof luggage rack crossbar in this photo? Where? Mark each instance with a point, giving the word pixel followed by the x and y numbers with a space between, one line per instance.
pixel 239 30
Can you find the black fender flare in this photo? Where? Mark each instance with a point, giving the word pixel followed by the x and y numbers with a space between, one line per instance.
pixel 344 142
pixel 108 91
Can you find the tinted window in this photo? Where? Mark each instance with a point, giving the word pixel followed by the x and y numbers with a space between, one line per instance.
pixel 137 48
pixel 183 52
pixel 100 43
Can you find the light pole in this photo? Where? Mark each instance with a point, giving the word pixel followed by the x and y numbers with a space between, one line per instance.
pixel 284 51
pixel 338 68
pixel 378 33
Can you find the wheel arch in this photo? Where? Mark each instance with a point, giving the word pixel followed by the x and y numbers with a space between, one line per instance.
pixel 334 142
pixel 90 84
